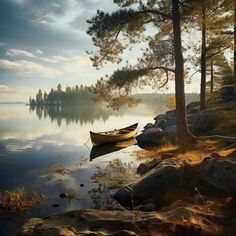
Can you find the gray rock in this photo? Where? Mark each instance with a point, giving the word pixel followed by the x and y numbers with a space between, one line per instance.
pixel 170 133
pixel 145 167
pixel 192 105
pixel 205 117
pixel 154 184
pixel 160 117
pixel 160 123
pixel 150 138
pixel 227 92
pixel 220 173
pixel 124 196
pixel 148 207
pixel 194 110
pixel 171 113
pixel 148 126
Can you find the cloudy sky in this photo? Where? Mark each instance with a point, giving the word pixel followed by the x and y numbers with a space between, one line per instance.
pixel 43 43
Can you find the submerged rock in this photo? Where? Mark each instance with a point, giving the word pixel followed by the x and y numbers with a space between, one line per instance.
pixel 63 195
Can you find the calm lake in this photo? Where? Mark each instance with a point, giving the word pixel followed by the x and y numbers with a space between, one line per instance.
pixel 35 143
pixel 48 150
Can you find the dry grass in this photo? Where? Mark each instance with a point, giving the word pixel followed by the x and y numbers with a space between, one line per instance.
pixel 155 153
pixel 194 157
pixel 228 152
pixel 204 148
pixel 62 169
pixel 17 201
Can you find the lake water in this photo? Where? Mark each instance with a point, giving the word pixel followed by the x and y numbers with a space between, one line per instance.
pixel 34 144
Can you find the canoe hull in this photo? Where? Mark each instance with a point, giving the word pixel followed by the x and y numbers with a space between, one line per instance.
pixel 99 138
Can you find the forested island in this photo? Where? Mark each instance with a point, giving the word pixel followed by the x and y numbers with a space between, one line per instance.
pixel 58 96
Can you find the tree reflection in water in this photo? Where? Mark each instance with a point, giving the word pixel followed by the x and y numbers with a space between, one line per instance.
pixel 82 114
pixel 87 111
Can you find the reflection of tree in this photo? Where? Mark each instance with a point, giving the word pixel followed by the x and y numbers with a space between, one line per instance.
pixel 73 114
pixel 88 111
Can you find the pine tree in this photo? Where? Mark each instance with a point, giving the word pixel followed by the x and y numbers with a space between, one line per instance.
pixel 131 22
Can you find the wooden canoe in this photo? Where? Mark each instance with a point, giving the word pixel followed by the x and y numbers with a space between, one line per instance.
pixel 114 135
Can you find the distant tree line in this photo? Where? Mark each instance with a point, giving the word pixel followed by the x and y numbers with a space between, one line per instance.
pixel 58 96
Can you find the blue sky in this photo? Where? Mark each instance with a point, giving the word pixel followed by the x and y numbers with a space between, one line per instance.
pixel 43 43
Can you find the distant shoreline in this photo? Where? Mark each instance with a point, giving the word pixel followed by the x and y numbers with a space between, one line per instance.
pixel 14 103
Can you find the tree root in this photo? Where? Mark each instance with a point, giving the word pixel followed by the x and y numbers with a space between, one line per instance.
pixel 218 137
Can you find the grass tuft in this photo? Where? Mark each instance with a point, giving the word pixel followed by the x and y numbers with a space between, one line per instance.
pixel 16 201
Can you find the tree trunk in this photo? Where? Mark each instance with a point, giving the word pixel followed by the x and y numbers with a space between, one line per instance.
pixel 234 47
pixel 212 77
pixel 203 59
pixel 185 138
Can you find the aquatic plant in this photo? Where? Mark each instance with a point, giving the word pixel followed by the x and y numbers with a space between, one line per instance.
pixel 17 201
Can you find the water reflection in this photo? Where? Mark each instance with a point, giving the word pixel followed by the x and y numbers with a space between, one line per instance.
pixel 110 177
pixel 82 114
pixel 90 112
pixel 87 112
pixel 103 149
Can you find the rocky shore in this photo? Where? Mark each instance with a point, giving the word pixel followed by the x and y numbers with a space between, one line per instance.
pixel 176 194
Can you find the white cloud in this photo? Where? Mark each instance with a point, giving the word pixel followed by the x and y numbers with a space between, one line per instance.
pixel 28 68
pixel 54 59
pixel 16 94
pixel 18 52
pixel 39 51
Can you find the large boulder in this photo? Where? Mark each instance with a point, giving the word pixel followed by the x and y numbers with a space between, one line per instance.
pixel 170 133
pixel 203 122
pixel 143 168
pixel 193 107
pixel 150 138
pixel 227 92
pixel 154 184
pixel 164 120
pixel 220 173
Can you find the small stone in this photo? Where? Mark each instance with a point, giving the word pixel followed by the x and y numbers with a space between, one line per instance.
pixel 55 205
pixel 215 155
pixel 148 126
pixel 81 185
pixel 63 195
pixel 148 207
